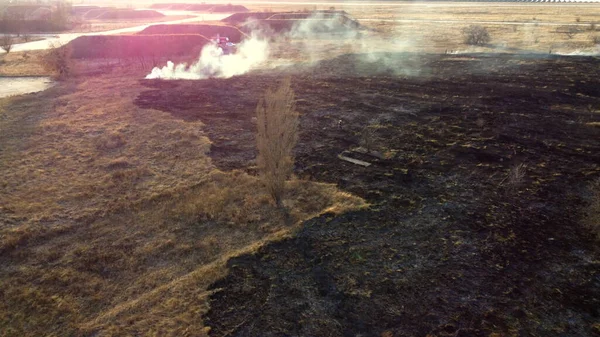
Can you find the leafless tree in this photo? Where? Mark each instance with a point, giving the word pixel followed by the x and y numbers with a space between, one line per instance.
pixel 6 43
pixel 476 35
pixel 26 36
pixel 277 134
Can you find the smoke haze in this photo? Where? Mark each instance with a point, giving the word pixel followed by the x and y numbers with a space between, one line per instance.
pixel 213 64
pixel 309 40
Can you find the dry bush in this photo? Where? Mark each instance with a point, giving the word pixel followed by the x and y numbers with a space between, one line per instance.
pixel 592 214
pixel 476 35
pixel 277 134
pixel 517 174
pixel 58 60
pixel 6 43
pixel 569 31
pixel 515 177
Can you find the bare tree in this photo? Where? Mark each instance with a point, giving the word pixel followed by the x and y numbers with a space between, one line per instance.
pixel 476 35
pixel 58 60
pixel 277 134
pixel 6 43
pixel 61 15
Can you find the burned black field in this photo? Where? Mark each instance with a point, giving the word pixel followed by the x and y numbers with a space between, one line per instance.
pixel 480 173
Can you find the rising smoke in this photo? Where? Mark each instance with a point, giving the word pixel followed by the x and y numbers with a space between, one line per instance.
pixel 323 35
pixel 213 63
pixel 314 39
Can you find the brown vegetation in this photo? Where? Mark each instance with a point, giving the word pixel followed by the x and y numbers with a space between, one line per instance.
pixel 22 64
pixel 57 60
pixel 476 35
pixel 114 218
pixel 277 134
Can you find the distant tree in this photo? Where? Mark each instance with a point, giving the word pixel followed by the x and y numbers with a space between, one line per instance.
pixel 26 36
pixel 6 43
pixel 61 16
pixel 277 134
pixel 476 35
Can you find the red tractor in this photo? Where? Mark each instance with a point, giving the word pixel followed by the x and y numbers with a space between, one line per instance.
pixel 224 45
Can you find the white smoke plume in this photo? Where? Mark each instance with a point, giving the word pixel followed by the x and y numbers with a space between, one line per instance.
pixel 321 36
pixel 595 51
pixel 324 35
pixel 212 63
pixel 322 25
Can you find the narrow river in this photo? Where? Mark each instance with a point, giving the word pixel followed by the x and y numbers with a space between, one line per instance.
pixel 67 37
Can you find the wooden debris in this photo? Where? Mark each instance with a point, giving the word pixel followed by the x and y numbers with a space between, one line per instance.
pixel 353 161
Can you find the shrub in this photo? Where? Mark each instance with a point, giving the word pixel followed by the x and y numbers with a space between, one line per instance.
pixel 476 35
pixel 6 43
pixel 517 174
pixel 277 134
pixel 569 31
pixel 58 60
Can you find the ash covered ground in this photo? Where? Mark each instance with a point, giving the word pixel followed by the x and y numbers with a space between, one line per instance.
pixel 479 175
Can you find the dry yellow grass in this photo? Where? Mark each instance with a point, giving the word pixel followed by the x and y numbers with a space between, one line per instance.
pixel 113 218
pixel 21 64
pixel 77 146
pixel 466 11
pixel 437 27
